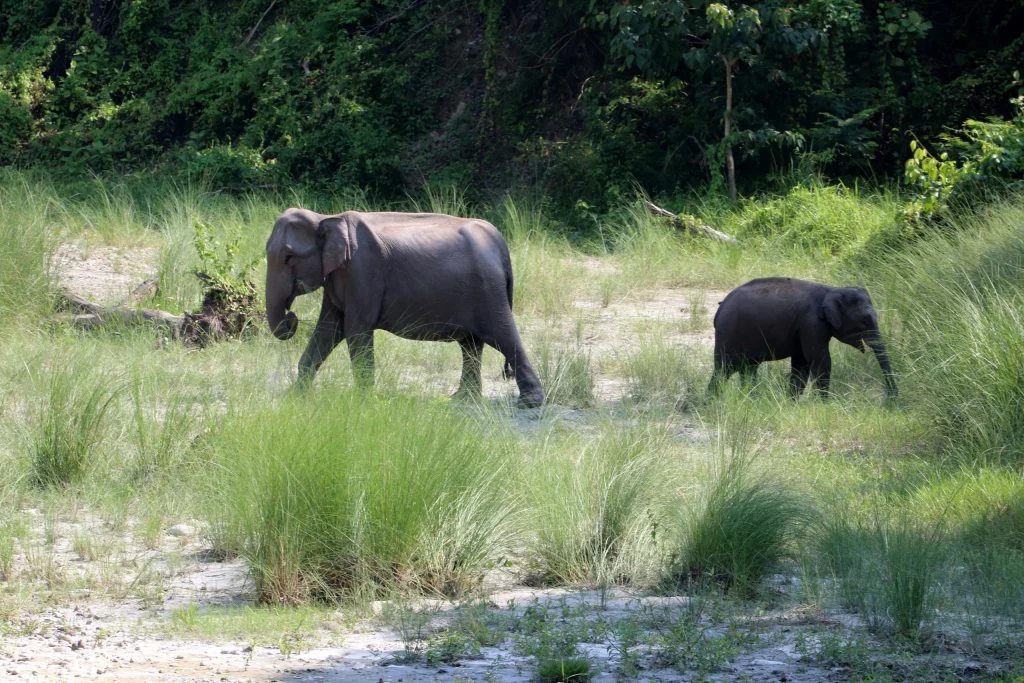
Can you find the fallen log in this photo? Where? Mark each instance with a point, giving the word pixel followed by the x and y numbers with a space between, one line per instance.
pixel 224 315
pixel 87 314
pixel 689 223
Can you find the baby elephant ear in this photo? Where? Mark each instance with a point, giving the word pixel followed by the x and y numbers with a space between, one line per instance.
pixel 830 309
pixel 339 239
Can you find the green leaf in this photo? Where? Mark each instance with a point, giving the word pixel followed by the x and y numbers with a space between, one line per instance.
pixel 892 28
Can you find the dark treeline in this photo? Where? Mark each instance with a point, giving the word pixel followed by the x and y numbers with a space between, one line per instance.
pixel 580 98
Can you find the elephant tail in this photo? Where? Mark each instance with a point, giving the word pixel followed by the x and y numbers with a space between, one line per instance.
pixel 508 371
pixel 508 284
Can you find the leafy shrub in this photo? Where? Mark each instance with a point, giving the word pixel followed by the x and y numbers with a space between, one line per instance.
pixel 360 496
pixel 828 219
pixel 983 158
pixel 225 167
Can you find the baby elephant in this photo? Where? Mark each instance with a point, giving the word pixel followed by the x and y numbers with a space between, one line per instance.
pixel 778 317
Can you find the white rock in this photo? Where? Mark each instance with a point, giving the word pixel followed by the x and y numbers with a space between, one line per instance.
pixel 180 530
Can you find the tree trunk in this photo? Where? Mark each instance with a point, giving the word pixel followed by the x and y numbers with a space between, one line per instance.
pixel 730 163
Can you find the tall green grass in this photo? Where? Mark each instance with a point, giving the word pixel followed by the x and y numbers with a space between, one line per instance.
pixel 349 493
pixel 660 373
pixel 740 522
pixel 69 425
pixel 890 568
pixel 361 495
pixel 29 233
pixel 958 304
pixel 594 506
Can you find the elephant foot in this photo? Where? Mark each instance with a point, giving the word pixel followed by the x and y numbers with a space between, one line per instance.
pixel 531 399
pixel 463 394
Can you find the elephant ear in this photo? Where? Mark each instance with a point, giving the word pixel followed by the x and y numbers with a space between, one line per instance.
pixel 831 309
pixel 339 242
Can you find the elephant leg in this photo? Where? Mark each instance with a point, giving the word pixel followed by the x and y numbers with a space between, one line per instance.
pixel 328 333
pixel 360 350
pixel 722 372
pixel 748 373
pixel 799 372
pixel 531 395
pixel 821 373
pixel 472 356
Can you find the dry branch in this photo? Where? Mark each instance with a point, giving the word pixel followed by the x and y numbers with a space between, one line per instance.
pixel 224 315
pixel 685 223
pixel 88 314
pixel 140 293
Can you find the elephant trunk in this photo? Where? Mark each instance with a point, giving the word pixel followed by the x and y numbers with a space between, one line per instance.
pixel 283 322
pixel 878 347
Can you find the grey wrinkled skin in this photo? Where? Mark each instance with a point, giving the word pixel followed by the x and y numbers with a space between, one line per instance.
pixel 420 276
pixel 778 317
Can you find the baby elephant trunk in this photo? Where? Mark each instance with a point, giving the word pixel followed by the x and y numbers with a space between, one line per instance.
pixel 877 346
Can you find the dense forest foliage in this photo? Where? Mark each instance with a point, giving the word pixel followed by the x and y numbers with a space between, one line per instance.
pixel 579 98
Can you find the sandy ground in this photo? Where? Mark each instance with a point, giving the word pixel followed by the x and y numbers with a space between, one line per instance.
pixel 105 275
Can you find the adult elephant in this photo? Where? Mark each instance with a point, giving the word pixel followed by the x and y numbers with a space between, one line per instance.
pixel 779 317
pixel 417 275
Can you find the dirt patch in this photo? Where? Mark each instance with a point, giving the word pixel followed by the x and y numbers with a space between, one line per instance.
pixel 105 275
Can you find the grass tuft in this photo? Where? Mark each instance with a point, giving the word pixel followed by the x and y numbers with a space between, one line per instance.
pixel 889 568
pixel 71 415
pixel 565 373
pixel 661 373
pixel 743 522
pixel 594 507
pixel 361 496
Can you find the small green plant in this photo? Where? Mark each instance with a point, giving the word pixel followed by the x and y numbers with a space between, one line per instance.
pixel 684 644
pixel 564 670
pixel 627 637
pixel 833 648
pixel 488 627
pixel 231 304
pixel 554 644
pixel 449 647
pixel 413 624
pixel 70 423
pixel 186 617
